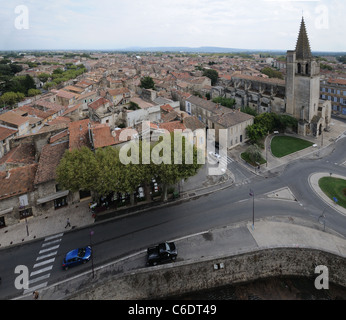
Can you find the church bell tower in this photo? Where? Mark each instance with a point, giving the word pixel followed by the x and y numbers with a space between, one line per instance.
pixel 302 82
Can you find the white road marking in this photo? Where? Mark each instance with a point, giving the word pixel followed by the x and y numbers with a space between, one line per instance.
pixel 47 255
pixel 50 242
pixel 48 249
pixel 46 276
pixel 54 237
pixel 41 270
pixel 44 262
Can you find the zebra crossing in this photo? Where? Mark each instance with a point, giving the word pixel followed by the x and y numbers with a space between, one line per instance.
pixel 40 274
pixel 226 161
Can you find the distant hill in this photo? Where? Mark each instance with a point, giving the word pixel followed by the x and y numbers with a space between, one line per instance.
pixel 216 50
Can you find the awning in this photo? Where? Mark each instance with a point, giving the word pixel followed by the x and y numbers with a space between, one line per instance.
pixel 2 212
pixel 53 196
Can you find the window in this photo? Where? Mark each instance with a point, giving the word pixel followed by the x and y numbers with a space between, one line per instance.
pixel 2 222
pixel 61 202
pixel 25 213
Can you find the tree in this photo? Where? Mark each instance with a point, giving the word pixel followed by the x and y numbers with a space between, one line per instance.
pixel 256 131
pixel 43 77
pixel 78 170
pixel 33 92
pixel 147 83
pixel 226 102
pixel 268 120
pixel 212 74
pixel 254 153
pixel 10 98
pixel 171 173
pixel 271 73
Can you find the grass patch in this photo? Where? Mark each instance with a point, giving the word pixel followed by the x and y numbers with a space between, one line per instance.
pixel 245 156
pixel 282 146
pixel 334 187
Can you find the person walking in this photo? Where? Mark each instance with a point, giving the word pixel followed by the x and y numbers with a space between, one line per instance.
pixel 68 224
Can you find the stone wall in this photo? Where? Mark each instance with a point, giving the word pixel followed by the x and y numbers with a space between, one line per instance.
pixel 179 278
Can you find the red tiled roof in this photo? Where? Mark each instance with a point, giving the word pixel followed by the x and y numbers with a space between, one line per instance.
pixel 103 136
pixel 118 91
pixel 13 118
pixel 98 103
pixel 337 81
pixel 22 154
pixel 171 126
pixel 19 181
pixel 167 108
pixel 79 134
pixel 51 155
pixel 6 132
pixel 37 112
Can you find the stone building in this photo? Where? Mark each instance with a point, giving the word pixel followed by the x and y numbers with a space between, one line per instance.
pixel 303 88
pixel 298 95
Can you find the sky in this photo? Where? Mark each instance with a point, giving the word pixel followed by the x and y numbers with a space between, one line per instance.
pixel 118 24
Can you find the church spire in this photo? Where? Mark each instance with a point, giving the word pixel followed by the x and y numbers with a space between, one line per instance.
pixel 303 50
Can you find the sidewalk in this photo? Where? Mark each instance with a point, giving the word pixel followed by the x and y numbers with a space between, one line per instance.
pixel 45 225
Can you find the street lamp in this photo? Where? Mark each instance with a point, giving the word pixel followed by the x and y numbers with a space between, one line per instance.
pixel 252 194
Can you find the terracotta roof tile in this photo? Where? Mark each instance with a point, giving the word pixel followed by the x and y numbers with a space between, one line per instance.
pixel 79 134
pixel 19 181
pixel 22 154
pixel 6 132
pixel 51 155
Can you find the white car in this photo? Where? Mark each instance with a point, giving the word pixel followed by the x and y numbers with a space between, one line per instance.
pixel 215 156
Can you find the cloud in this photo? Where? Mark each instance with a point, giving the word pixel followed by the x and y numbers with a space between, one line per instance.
pixel 112 24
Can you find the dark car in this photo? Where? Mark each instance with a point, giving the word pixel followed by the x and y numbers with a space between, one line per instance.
pixel 76 257
pixel 163 252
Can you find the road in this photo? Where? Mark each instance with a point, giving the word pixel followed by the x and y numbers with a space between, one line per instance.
pixel 117 238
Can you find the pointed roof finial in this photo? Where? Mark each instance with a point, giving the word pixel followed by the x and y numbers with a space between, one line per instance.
pixel 303 50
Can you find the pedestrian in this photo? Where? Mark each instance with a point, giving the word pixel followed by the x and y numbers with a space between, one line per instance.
pixel 68 224
pixel 35 295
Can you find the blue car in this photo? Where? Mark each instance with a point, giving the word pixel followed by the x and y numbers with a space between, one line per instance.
pixel 76 257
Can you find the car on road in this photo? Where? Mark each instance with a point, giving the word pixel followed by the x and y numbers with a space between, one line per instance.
pixel 162 252
pixel 215 156
pixel 76 257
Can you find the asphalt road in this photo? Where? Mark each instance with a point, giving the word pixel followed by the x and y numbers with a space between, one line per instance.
pixel 117 238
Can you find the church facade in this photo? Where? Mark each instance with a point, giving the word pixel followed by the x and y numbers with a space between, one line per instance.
pixel 298 95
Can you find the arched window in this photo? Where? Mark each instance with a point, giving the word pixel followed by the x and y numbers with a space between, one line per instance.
pixel 299 68
pixel 307 69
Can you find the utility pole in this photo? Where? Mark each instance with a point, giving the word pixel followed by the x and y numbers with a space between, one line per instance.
pixel 252 194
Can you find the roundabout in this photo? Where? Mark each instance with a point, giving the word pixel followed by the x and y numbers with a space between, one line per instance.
pixel 314 184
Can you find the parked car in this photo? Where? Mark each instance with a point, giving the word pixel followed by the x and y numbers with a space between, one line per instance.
pixel 76 257
pixel 162 252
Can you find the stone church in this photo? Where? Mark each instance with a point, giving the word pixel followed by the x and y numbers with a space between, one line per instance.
pixel 303 88
pixel 298 95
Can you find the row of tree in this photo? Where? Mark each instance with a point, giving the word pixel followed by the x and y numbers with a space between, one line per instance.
pixel 103 172
pixel 269 122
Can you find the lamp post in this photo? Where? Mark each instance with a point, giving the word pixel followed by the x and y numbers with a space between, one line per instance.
pixel 92 254
pixel 252 194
